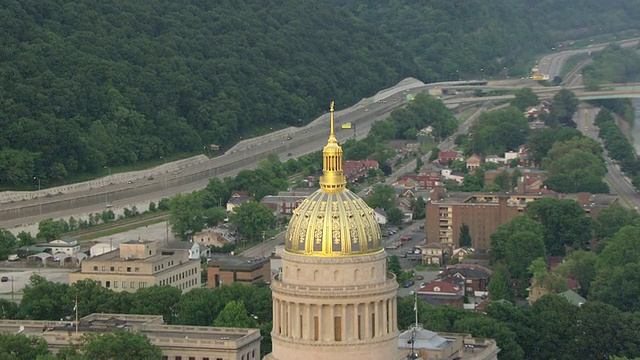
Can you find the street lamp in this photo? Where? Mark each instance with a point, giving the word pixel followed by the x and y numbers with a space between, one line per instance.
pixel 37 178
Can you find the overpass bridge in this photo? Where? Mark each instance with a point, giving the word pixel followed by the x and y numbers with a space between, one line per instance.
pixel 609 91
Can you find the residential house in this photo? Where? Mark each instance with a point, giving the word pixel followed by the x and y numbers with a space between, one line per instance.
pixel 211 237
pixel 461 253
pixel 573 297
pixel 380 215
pixel 474 279
pixel 473 162
pixel 445 157
pixel 442 293
pixel 431 169
pixel 425 132
pixel 354 170
pixel 494 159
pixel 237 198
pixel 423 181
pixel 432 254
pixel 282 205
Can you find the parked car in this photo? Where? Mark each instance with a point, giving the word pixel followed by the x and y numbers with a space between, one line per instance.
pixel 408 284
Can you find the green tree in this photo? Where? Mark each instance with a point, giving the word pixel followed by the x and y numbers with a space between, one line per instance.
pixel 45 300
pixel 92 298
pixel 618 286
pixel 500 284
pixel 486 327
pixel 252 219
pixel 623 248
pixel 234 314
pixel 521 248
pixel 564 221
pixel 614 218
pixel 581 266
pixel 119 344
pixel 525 98
pixel 395 215
pixel 188 215
pixel 18 347
pixel 465 237
pixel 501 237
pixel 382 196
pixel 419 211
pixel 49 230
pixel 25 239
pixel 394 266
pixel 7 244
pixel 563 105
pixel 157 300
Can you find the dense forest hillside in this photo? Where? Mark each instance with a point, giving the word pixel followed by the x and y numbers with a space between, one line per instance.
pixel 480 38
pixel 86 84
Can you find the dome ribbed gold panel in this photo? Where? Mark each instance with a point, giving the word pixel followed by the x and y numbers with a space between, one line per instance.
pixel 333 221
pixel 333 224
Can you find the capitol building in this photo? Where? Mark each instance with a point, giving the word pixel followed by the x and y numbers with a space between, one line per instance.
pixel 334 298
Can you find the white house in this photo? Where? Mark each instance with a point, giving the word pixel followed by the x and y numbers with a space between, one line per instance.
pixel 380 215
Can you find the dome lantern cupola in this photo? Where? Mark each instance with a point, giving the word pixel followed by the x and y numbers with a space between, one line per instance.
pixel 333 221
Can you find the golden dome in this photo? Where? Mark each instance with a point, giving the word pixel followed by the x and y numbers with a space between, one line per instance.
pixel 333 221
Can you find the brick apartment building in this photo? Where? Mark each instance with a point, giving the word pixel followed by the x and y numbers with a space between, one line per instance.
pixel 484 212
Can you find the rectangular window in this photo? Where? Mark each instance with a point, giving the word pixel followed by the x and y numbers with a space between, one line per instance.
pixel 129 269
pixel 142 285
pixel 107 284
pixel 99 282
pixel 137 269
pixel 119 268
pixel 165 357
pixel 124 284
pixel 112 268
pixel 133 285
pixel 104 268
pixel 337 328
pixel 95 268
pixel 192 358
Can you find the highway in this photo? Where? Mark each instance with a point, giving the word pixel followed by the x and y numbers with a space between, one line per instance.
pixel 245 155
pixel 618 183
pixel 553 64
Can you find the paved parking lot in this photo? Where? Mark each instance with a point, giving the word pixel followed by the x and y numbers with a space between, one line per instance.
pixel 417 236
pixel 19 278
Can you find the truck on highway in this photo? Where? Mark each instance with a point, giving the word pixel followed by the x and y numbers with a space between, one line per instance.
pixel 539 77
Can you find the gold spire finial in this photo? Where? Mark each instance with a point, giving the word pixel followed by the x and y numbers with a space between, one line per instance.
pixel 332 134
pixel 332 179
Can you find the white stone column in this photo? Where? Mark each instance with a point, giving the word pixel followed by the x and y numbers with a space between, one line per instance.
pixel 343 323
pixel 385 319
pixel 367 321
pixel 276 314
pixel 378 320
pixel 356 323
